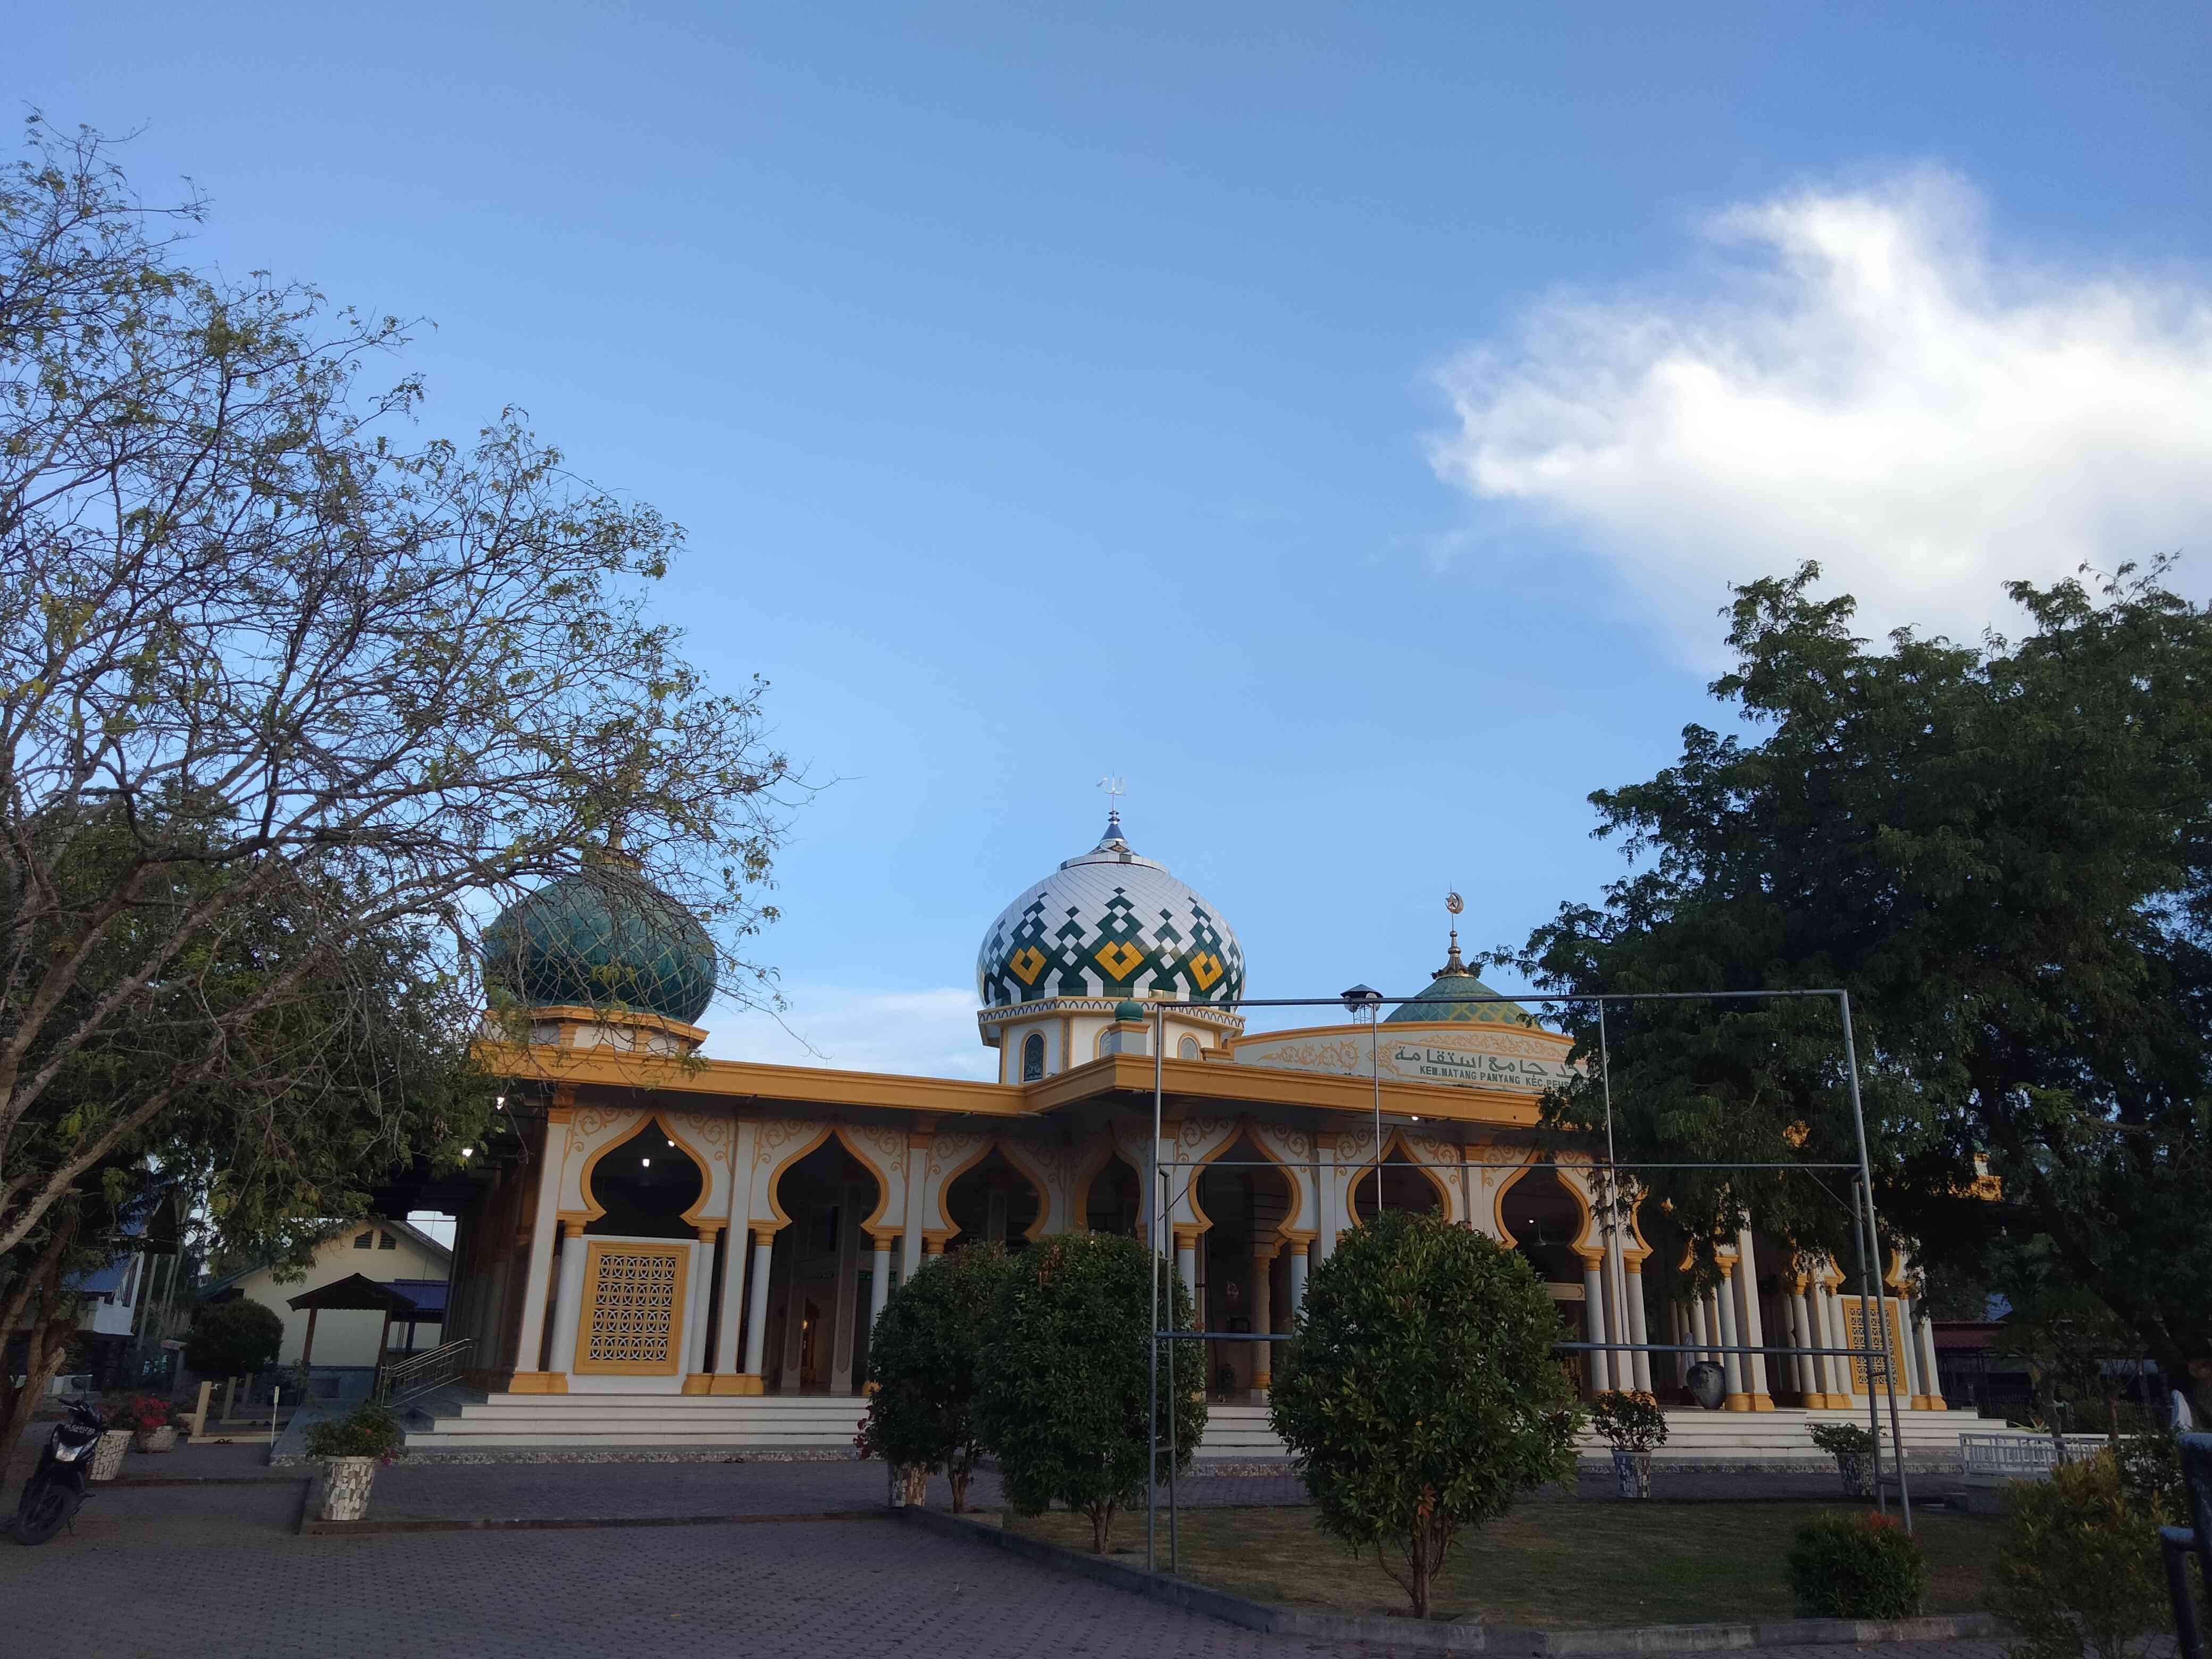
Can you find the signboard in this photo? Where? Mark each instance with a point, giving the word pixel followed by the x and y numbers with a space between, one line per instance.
pixel 1525 1062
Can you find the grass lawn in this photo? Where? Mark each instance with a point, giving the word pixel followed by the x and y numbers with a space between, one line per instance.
pixel 1547 1564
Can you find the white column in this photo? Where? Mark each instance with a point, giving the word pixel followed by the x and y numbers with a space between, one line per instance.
pixel 1330 1222
pixel 1263 1317
pixel 730 1329
pixel 757 1305
pixel 700 1294
pixel 849 1212
pixel 1842 1385
pixel 1298 1264
pixel 544 1228
pixel 568 1304
pixel 1752 1324
pixel 1801 1336
pixel 1640 1364
pixel 1925 1339
pixel 917 1172
pixel 1678 1334
pixel 1731 1338
pixel 1621 1366
pixel 1601 1374
pixel 879 1280
pixel 1186 1245
pixel 1700 1334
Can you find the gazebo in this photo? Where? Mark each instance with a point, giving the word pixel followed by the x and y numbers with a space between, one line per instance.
pixel 354 1294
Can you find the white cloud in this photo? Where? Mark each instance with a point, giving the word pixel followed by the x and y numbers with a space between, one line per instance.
pixel 1859 378
pixel 928 1033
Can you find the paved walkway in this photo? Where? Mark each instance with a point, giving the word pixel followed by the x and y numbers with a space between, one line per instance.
pixel 174 1572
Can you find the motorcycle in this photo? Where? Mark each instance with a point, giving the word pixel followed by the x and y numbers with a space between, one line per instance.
pixel 62 1478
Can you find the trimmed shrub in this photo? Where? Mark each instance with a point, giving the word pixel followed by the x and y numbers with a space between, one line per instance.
pixel 1065 1378
pixel 231 1338
pixel 367 1431
pixel 1844 1439
pixel 923 1356
pixel 1422 1394
pixel 1856 1564
pixel 2079 1571
pixel 1629 1422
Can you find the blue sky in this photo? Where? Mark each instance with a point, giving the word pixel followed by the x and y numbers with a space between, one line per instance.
pixel 1343 423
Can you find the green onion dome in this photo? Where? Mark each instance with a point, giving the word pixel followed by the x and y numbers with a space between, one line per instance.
pixel 1445 1000
pixel 1128 1011
pixel 604 937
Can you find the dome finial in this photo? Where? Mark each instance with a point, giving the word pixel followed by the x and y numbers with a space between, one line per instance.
pixel 1113 840
pixel 1453 964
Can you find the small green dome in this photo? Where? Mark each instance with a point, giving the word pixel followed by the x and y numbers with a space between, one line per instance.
pixel 1446 999
pixel 1131 1011
pixel 603 937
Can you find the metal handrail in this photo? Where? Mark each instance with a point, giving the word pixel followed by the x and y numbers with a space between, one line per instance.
pixel 420 1373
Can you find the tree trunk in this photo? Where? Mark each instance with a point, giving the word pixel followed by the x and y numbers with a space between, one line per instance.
pixel 1101 1527
pixel 958 1474
pixel 52 1316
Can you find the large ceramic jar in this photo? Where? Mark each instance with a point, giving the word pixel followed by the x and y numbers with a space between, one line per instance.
pixel 107 1456
pixel 1858 1470
pixel 346 1481
pixel 1707 1383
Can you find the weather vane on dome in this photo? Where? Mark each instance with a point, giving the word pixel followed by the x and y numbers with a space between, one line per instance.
pixel 1454 902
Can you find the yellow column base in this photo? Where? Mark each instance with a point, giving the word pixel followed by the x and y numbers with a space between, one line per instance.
pixel 699 1383
pixel 1762 1402
pixel 1736 1402
pixel 736 1383
pixel 538 1382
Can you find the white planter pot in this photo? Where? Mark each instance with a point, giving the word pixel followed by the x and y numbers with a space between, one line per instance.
pixel 156 1440
pixel 1632 1474
pixel 346 1481
pixel 107 1456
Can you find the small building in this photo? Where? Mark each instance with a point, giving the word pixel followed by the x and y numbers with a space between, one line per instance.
pixel 396 1253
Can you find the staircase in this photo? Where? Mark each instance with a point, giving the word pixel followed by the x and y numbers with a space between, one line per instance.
pixel 531 1423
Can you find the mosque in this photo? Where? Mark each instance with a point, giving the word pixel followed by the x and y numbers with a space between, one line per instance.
pixel 670 1250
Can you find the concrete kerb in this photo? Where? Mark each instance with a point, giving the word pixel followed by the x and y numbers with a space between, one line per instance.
pixel 1458 1636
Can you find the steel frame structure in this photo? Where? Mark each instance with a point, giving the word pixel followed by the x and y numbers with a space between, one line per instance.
pixel 1160 1203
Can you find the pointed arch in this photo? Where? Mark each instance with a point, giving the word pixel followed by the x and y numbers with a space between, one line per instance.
pixel 1247 1128
pixel 694 1217
pixel 1395 1140
pixel 873 1224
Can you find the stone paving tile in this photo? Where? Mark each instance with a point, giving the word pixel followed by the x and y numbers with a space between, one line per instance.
pixel 185 1571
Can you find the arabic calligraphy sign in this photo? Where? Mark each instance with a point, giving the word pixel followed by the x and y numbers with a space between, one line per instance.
pixel 1524 1062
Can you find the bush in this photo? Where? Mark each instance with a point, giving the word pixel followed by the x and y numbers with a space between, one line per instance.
pixel 1856 1564
pixel 1422 1394
pixel 367 1431
pixel 1629 1422
pixel 231 1338
pixel 2078 1571
pixel 923 1356
pixel 137 1412
pixel 1065 1380
pixel 1844 1439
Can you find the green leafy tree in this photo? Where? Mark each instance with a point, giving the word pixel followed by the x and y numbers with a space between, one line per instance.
pixel 924 1356
pixel 1065 1381
pixel 290 703
pixel 1421 1394
pixel 2079 1571
pixel 233 1339
pixel 2004 852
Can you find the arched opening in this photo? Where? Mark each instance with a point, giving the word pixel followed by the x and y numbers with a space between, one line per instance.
pixel 1189 1048
pixel 1033 1057
pixel 1116 1202
pixel 1544 1220
pixel 991 1201
pixel 1405 1186
pixel 644 1185
pixel 1243 1272
pixel 819 1273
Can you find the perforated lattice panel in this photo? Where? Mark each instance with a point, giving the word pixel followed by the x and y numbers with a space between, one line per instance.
pixel 633 1308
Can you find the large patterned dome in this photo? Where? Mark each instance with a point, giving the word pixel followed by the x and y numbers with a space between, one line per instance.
pixel 1109 924
pixel 603 937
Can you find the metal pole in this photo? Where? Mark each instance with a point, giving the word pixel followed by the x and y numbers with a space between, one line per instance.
pixel 1375 1072
pixel 1160 1068
pixel 1617 1306
pixel 1881 1313
pixel 1873 1333
pixel 1153 1342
